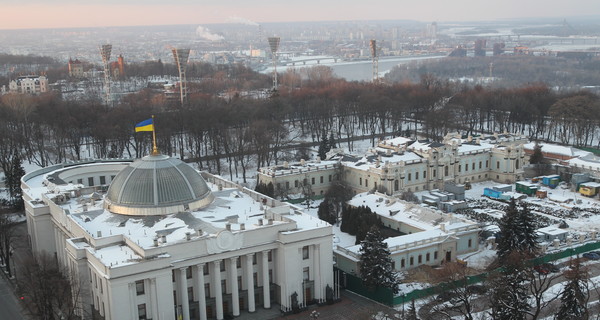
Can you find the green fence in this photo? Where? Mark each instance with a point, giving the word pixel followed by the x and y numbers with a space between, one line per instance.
pixel 386 296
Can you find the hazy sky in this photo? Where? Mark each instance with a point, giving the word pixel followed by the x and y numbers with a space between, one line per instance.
pixel 93 13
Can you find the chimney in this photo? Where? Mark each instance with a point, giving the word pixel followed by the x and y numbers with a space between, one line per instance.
pixel 260 222
pixel 242 226
pixel 163 238
pixel 270 222
pixel 99 234
pixel 156 242
pixel 187 236
pixel 199 231
pixel 228 227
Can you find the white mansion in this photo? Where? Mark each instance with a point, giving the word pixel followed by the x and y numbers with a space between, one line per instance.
pixel 401 164
pixel 155 239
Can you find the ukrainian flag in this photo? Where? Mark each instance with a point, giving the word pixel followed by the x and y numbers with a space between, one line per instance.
pixel 146 125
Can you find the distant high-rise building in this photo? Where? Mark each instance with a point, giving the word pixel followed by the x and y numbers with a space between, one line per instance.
pixel 432 30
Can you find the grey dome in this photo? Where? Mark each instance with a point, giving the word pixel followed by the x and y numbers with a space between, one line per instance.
pixel 157 185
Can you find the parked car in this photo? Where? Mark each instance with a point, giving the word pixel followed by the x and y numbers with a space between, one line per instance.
pixel 552 267
pixel 541 269
pixel 591 256
pixel 476 289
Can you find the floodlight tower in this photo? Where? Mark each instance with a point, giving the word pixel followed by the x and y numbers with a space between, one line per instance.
pixel 181 59
pixel 373 45
pixel 274 44
pixel 105 50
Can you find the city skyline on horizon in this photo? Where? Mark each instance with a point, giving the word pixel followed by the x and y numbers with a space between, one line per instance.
pixel 72 14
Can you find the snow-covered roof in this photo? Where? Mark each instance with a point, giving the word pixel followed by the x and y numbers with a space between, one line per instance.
pixel 588 161
pixel 557 149
pixel 408 213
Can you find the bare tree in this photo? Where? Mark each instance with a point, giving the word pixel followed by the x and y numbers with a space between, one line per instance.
pixel 48 292
pixel 7 236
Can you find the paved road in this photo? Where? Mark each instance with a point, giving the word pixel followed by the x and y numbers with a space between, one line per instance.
pixel 9 307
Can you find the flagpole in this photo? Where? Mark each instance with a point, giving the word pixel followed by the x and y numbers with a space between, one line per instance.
pixel 154 147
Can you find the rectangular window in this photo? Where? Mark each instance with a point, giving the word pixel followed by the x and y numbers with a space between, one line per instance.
pixel 479 164
pixel 312 180
pixel 255 279
pixel 420 259
pixel 190 293
pixel 102 180
pixel 459 168
pixel 393 265
pixel 427 256
pixel 90 181
pixel 412 261
pixel 434 172
pixel 139 287
pixel 305 274
pixel 497 164
pixel 402 263
pixel 270 256
pixel 205 269
pixel 424 174
pixel 360 181
pixel 329 178
pixel 321 179
pixel 224 286
pixel 238 262
pixel 416 176
pixel 470 242
pixel 206 290
pixel 239 280
pixel 188 272
pixel 366 182
pixel 270 275
pixel 295 183
pixel 473 166
pixel 409 176
pixel 287 184
pixel 80 181
pixel 142 311
pixel 222 266
pixel 304 252
pixel 435 255
pixel 253 258
pixel 446 171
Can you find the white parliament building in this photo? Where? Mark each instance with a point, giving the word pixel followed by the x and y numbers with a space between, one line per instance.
pixel 155 239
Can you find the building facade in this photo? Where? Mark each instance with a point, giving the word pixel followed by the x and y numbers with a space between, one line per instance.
pixel 400 164
pixel 31 84
pixel 154 239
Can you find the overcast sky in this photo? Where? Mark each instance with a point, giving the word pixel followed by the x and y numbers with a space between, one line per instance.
pixel 94 13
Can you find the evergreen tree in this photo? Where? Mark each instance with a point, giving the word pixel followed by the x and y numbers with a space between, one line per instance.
pixel 574 297
pixel 323 147
pixel 12 180
pixel 508 240
pixel 411 313
pixel 375 262
pixel 509 300
pixel 537 157
pixel 326 211
pixel 526 231
pixel 332 144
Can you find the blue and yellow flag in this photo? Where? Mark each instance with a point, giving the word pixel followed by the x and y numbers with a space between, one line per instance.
pixel 146 125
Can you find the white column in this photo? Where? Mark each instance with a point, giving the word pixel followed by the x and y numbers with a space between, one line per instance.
pixel 318 288
pixel 265 278
pixel 132 301
pixel 235 294
pixel 201 292
pixel 218 291
pixel 183 293
pixel 153 298
pixel 250 282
